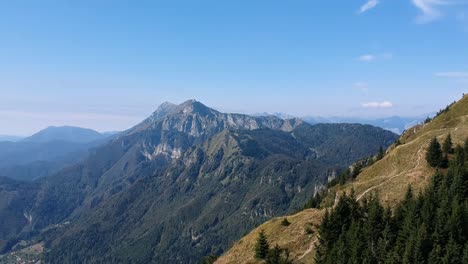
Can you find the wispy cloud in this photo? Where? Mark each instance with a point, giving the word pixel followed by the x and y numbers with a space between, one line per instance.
pixel 373 57
pixel 368 6
pixel 367 58
pixel 384 104
pixel 456 76
pixel 429 9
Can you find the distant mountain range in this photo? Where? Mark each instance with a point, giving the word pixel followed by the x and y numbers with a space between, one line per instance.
pixel 65 133
pixel 46 151
pixel 396 124
pixel 10 138
pixel 184 183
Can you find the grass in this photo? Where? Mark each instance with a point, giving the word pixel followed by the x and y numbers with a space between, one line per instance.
pixel 406 164
pixel 403 165
pixel 293 237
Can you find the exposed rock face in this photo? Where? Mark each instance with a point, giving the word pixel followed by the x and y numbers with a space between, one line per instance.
pixel 187 182
pixel 195 119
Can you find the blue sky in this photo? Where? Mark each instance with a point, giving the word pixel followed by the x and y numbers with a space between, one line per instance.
pixel 108 64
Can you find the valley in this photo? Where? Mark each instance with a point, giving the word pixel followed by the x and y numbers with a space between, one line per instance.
pixel 183 184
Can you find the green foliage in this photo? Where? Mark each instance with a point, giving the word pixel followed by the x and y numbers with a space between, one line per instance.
pixel 434 153
pixel 357 167
pixel 262 247
pixel 210 259
pixel 316 200
pixel 285 222
pixel 381 153
pixel 278 255
pixel 398 142
pixel 428 228
pixel 447 147
pixel 308 229
pixel 126 206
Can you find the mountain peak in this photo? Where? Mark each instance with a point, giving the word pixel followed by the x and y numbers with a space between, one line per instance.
pixel 65 133
pixel 194 106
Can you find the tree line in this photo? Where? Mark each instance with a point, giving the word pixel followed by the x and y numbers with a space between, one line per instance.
pixel 430 227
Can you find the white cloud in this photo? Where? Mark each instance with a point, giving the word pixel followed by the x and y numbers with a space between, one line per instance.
pixel 367 58
pixel 429 9
pixel 373 57
pixel 454 74
pixel 384 104
pixel 368 5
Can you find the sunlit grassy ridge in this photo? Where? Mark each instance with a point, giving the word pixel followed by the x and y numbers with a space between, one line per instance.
pixel 299 236
pixel 406 164
pixel 402 165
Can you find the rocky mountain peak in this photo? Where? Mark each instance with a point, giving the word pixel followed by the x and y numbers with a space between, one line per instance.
pixel 195 107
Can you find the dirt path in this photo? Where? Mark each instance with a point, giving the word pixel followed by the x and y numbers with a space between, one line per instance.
pixel 311 247
pixel 418 162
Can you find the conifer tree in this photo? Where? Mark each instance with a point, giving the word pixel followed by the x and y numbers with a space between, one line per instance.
pixel 285 222
pixel 434 153
pixel 262 247
pixel 465 254
pixel 448 145
pixel 444 161
pixel 429 228
pixel 460 156
pixel 381 153
pixel 274 255
pixel 466 147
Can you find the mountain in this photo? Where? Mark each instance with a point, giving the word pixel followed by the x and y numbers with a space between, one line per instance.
pixel 396 124
pixel 65 133
pixel 10 138
pixel 185 182
pixel 46 152
pixel 403 164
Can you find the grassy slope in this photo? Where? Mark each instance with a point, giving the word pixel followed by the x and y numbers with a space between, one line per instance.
pixel 403 165
pixel 293 237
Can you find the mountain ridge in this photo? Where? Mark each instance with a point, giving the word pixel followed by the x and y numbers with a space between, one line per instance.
pixel 214 175
pixel 403 164
pixel 65 133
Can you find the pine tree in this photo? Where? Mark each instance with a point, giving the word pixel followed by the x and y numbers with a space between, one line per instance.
pixel 285 222
pixel 429 228
pixel 435 257
pixel 444 162
pixel 356 170
pixel 466 147
pixel 434 153
pixel 274 255
pixel 324 238
pixel 460 156
pixel 448 145
pixel 465 254
pixel 398 142
pixel 381 153
pixel 452 253
pixel 210 259
pixel 262 247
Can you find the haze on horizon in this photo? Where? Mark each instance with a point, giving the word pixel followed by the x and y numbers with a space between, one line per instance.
pixel 107 65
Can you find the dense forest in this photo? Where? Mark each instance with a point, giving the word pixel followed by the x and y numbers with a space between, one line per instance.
pixel 429 227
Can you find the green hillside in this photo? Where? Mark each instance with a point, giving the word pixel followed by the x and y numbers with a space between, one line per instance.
pixel 404 164
pixel 185 183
